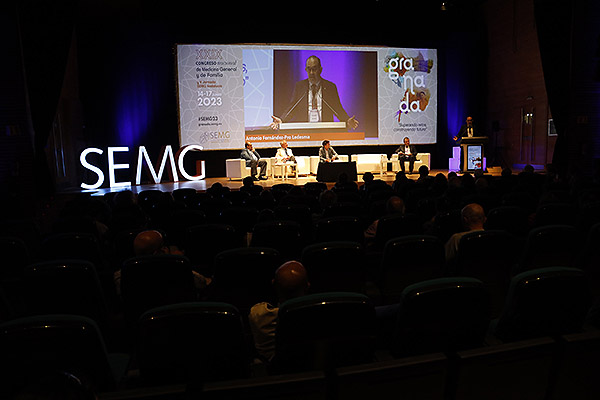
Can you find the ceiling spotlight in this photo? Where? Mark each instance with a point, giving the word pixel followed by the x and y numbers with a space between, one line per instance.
pixel 443 6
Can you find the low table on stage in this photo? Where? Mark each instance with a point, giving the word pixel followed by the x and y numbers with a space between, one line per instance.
pixel 329 171
pixel 284 166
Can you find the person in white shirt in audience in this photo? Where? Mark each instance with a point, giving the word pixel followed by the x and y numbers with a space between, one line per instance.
pixel 291 281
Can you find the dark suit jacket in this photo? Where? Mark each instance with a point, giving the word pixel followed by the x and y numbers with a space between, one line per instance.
pixel 245 154
pixel 330 104
pixel 463 132
pixel 413 149
pixel 328 154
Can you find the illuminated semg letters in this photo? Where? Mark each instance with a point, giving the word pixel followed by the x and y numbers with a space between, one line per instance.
pixel 143 156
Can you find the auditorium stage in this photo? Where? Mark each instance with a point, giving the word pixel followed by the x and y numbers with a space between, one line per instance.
pixel 204 184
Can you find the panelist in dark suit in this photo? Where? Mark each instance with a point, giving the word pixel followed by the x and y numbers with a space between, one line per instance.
pixel 327 153
pixel 315 100
pixel 254 162
pixel 407 152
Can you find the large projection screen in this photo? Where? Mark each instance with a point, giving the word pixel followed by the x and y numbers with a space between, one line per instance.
pixel 227 94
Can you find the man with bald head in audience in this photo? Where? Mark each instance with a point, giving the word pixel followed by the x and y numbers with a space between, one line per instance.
pixel 147 243
pixel 290 281
pixel 151 242
pixel 473 219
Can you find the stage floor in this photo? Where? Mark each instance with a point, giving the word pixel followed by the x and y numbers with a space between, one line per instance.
pixel 204 184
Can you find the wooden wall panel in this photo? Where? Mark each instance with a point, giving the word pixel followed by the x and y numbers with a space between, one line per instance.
pixel 516 82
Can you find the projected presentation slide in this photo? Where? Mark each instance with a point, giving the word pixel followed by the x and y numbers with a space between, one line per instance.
pixel 228 94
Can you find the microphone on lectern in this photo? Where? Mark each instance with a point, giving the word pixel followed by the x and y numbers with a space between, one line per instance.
pixel 327 104
pixel 293 107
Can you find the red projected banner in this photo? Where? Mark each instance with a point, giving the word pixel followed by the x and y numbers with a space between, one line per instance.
pixel 302 131
pixel 298 137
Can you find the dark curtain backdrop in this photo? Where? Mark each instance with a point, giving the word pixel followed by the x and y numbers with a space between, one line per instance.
pixel 554 24
pixel 569 38
pixel 462 92
pixel 46 29
pixel 128 83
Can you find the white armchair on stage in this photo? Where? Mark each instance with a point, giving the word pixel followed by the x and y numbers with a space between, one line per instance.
pixel 236 168
pixel 379 162
pixel 422 159
pixel 300 167
pixel 369 162
pixel 303 165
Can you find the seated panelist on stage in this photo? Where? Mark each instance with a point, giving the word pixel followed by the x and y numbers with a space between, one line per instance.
pixel 327 153
pixel 314 100
pixel 254 162
pixel 407 152
pixel 284 153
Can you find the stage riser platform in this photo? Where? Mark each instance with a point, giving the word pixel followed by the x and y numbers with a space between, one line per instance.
pixel 204 184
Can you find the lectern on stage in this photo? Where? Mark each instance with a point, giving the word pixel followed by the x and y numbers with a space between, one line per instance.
pixel 472 152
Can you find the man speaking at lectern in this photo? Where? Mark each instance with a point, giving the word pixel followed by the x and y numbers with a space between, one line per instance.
pixel 315 100
pixel 467 130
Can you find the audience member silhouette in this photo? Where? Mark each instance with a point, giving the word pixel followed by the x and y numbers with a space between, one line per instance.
pixel 126 213
pixel 327 198
pixel 394 205
pixel 445 197
pixel 344 184
pixel 402 183
pixel 151 242
pixel 249 187
pixel 368 179
pixel 424 179
pixel 473 219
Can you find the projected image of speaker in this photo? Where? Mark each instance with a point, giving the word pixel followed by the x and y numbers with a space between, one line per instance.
pixel 326 86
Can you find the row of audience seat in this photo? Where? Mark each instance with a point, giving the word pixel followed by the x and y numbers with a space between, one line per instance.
pixel 516 297
pixel 199 342
pixel 492 256
pixel 532 369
